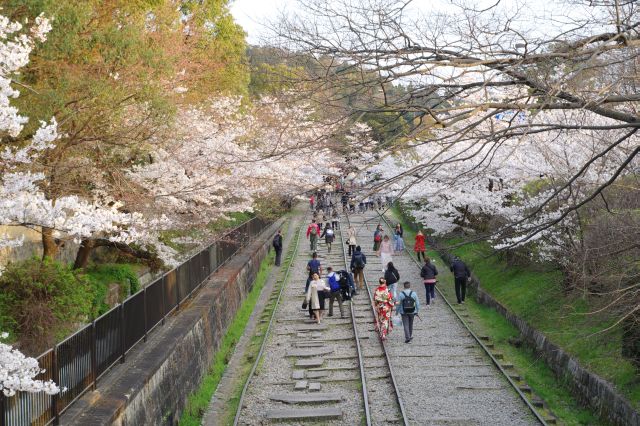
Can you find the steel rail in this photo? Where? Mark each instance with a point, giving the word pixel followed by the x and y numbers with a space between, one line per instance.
pixel 405 420
pixel 254 367
pixel 365 395
pixel 477 339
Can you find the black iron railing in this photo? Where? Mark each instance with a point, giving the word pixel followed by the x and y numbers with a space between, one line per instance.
pixel 82 358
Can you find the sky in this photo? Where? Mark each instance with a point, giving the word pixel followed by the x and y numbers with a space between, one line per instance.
pixel 253 14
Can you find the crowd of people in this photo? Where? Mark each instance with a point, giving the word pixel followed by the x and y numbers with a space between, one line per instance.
pixel 342 285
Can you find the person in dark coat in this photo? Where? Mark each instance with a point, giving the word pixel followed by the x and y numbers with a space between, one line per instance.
pixel 277 245
pixel 428 274
pixel 461 274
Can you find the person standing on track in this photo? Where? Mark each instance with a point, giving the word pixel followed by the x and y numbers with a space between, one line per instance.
pixel 315 296
pixel 419 246
pixel 461 275
pixel 335 219
pixel 333 280
pixel 428 274
pixel 312 200
pixel 313 267
pixel 358 262
pixel 351 240
pixel 313 232
pixel 386 252
pixel 408 305
pixel 398 241
pixel 277 246
pixel 328 235
pixel 383 304
pixel 377 238
pixel 391 276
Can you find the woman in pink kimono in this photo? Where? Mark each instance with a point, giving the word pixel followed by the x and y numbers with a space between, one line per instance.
pixel 383 303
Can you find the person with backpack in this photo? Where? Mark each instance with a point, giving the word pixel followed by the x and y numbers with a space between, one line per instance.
pixel 392 276
pixel 428 274
pixel 377 238
pixel 313 232
pixel 408 306
pixel 346 285
pixel 313 267
pixel 461 274
pixel 329 236
pixel 333 280
pixel 277 246
pixel 358 262
pixel 335 219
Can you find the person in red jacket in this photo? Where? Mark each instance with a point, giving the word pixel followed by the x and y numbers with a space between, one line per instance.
pixel 313 232
pixel 419 246
pixel 312 201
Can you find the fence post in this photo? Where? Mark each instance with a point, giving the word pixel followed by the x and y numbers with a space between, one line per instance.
pixel 56 379
pixel 144 301
pixel 94 355
pixel 122 337
pixel 3 410
pixel 164 303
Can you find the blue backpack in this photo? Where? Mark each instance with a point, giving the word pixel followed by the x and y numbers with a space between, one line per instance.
pixel 334 284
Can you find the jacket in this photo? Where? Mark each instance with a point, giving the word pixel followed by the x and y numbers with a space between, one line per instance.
pixel 277 242
pixel 311 226
pixel 428 271
pixel 353 257
pixel 392 276
pixel 404 293
pixel 352 237
pixel 459 269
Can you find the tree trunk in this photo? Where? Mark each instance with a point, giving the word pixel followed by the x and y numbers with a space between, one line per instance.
pixel 49 245
pixel 82 257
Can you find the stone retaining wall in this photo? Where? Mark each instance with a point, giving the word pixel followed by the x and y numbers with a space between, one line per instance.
pixel 152 387
pixel 590 389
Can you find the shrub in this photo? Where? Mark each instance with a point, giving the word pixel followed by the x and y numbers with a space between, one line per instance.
pixel 100 276
pixel 42 301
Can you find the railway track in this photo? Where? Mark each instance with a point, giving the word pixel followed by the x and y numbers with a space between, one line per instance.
pixel 339 372
pixel 336 372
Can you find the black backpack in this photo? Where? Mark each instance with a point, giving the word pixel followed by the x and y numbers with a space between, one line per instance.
pixel 344 285
pixel 358 261
pixel 409 303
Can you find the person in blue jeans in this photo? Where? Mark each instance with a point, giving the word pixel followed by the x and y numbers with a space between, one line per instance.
pixel 407 306
pixel 429 274
pixel 313 267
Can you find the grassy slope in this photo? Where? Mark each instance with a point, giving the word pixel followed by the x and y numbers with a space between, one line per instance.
pixel 486 321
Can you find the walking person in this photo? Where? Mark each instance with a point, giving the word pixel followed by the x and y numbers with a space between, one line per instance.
pixel 377 238
pixel 392 276
pixel 398 240
pixel 461 275
pixel 358 263
pixel 315 297
pixel 312 201
pixel 386 252
pixel 328 235
pixel 383 304
pixel 313 267
pixel 351 241
pixel 429 272
pixel 313 232
pixel 419 246
pixel 408 305
pixel 335 289
pixel 335 219
pixel 277 245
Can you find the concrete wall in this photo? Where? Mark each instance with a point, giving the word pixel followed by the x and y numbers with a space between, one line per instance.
pixel 32 246
pixel 151 388
pixel 590 389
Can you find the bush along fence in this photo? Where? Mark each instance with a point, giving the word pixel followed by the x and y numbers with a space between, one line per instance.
pixel 78 362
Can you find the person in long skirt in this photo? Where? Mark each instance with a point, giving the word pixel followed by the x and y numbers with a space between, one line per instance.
pixel 383 303
pixel 398 239
pixel 386 252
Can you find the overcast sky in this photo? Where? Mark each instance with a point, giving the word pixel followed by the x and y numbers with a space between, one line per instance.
pixel 251 14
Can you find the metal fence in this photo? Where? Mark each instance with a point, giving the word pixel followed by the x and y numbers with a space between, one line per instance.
pixel 82 358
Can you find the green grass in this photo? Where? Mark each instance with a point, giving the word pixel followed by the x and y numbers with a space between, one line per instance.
pixel 531 295
pixel 198 402
pixel 101 276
